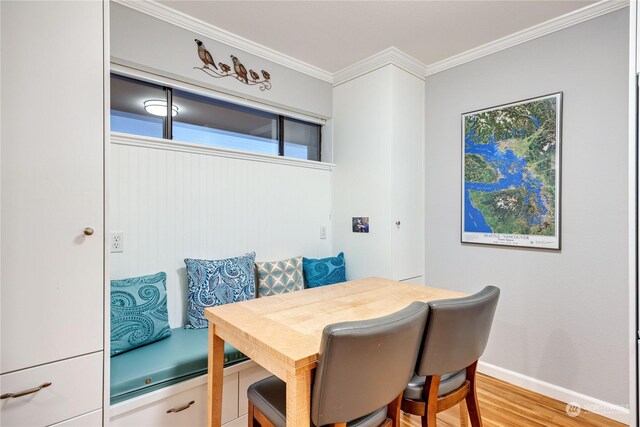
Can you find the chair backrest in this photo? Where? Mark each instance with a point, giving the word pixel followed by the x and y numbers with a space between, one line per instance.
pixel 457 332
pixel 364 365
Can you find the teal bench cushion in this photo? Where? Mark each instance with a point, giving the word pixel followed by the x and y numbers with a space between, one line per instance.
pixel 180 357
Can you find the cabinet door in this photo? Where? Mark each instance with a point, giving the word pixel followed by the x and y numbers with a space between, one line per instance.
pixel 407 188
pixel 51 167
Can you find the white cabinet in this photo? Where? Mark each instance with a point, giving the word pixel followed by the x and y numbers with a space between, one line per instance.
pixel 238 422
pixel 247 377
pixel 71 387
pixel 51 221
pixel 635 30
pixel 378 149
pixel 185 408
pixel 188 400
pixel 92 419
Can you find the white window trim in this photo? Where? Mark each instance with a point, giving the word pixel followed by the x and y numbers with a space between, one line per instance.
pixel 118 138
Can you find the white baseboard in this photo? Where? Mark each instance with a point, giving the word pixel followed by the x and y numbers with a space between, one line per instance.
pixel 591 404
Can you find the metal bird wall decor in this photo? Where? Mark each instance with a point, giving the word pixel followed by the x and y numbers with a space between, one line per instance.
pixel 238 71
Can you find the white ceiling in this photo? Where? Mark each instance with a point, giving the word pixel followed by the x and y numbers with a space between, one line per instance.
pixel 332 35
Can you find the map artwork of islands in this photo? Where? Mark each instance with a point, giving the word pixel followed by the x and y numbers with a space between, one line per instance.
pixel 511 174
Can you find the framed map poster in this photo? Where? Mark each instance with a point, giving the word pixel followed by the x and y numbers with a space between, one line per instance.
pixel 511 174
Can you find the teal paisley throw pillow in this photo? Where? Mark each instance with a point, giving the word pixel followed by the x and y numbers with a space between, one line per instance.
pixel 279 277
pixel 217 282
pixel 324 271
pixel 138 312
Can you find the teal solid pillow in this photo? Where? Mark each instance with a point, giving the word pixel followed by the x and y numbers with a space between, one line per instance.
pixel 138 312
pixel 324 271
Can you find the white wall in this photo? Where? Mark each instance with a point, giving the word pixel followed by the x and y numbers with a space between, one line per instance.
pixel 563 316
pixel 149 44
pixel 634 297
pixel 173 205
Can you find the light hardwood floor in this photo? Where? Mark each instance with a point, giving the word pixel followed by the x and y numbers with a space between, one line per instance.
pixel 505 405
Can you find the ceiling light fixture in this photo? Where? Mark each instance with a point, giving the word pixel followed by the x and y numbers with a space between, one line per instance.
pixel 158 107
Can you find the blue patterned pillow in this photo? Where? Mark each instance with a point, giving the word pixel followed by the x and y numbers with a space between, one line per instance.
pixel 324 271
pixel 218 282
pixel 138 312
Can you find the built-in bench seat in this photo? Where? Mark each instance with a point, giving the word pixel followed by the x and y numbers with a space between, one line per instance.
pixel 180 357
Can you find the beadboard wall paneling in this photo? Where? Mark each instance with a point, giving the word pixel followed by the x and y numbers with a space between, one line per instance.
pixel 172 205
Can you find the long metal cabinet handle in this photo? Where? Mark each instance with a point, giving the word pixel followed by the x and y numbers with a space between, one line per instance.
pixel 24 392
pixel 182 408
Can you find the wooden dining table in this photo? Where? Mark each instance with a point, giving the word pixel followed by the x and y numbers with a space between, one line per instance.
pixel 282 333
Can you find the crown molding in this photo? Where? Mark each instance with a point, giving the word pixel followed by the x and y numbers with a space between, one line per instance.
pixel 388 56
pixel 556 24
pixel 204 29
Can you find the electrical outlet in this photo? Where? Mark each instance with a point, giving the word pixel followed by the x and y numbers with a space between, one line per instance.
pixel 323 231
pixel 117 242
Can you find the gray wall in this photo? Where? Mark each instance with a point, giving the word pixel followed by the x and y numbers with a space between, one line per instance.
pixel 563 316
pixel 156 46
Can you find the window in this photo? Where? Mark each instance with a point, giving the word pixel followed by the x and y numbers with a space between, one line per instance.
pixel 127 107
pixel 301 139
pixel 210 122
pixel 207 121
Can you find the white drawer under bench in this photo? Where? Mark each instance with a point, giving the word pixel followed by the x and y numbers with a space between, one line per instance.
pixel 150 410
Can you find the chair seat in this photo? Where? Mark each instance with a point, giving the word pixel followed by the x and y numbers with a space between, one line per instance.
pixel 269 396
pixel 448 383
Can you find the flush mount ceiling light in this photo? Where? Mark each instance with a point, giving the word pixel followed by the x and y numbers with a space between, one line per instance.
pixel 158 107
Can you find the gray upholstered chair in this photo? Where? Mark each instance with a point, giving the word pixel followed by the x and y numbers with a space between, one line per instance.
pixel 454 339
pixel 363 367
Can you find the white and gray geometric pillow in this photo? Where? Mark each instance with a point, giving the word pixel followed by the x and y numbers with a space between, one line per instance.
pixel 279 277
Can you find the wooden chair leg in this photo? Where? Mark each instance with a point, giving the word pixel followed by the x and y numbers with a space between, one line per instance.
pixel 472 397
pixel 258 417
pixel 464 414
pixel 430 396
pixel 393 411
pixel 251 421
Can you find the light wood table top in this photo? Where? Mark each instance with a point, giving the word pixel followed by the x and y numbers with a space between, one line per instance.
pixel 282 333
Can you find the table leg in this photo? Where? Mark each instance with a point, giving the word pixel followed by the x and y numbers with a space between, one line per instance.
pixel 216 366
pixel 299 399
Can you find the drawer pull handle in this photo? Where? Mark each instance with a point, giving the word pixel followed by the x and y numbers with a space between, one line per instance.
pixel 182 408
pixel 25 392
